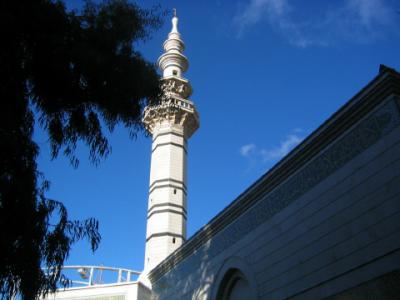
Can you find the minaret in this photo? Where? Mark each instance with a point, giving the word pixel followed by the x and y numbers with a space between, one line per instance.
pixel 171 123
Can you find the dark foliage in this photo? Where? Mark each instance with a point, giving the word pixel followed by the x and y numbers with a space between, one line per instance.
pixel 77 72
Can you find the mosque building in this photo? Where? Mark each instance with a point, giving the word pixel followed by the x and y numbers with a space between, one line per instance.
pixel 323 223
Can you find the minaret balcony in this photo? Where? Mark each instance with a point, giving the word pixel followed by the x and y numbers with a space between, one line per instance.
pixel 174 110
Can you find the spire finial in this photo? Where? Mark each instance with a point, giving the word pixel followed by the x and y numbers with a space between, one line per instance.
pixel 173 62
pixel 174 22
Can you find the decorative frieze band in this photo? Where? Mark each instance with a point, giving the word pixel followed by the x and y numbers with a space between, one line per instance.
pixel 169 133
pixel 160 234
pixel 169 143
pixel 167 185
pixel 166 211
pixel 167 204
pixel 167 180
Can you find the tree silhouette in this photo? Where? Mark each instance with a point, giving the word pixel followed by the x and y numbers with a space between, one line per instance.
pixel 79 73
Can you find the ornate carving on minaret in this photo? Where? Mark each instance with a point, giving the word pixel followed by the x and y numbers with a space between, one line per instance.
pixel 171 122
pixel 174 103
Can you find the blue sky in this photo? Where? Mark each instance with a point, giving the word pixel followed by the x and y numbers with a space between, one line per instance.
pixel 265 74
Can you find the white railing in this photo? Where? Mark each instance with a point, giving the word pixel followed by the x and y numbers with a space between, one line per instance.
pixel 183 103
pixel 172 102
pixel 83 275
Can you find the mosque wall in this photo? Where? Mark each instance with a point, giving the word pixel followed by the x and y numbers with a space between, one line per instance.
pixel 324 223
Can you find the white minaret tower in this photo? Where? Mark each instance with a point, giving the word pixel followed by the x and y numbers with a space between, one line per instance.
pixel 171 123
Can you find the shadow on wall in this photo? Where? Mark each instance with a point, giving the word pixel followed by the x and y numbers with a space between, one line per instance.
pixel 213 279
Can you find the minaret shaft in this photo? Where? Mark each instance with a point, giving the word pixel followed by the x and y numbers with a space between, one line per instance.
pixel 166 218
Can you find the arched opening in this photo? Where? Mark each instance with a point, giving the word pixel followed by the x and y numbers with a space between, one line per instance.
pixel 234 286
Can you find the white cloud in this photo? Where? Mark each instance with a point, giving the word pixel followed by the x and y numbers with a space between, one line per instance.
pixel 278 152
pixel 369 12
pixel 254 153
pixel 362 20
pixel 351 20
pixel 256 10
pixel 247 150
pixel 298 130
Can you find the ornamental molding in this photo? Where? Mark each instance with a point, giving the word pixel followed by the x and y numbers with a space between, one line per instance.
pixel 173 58
pixel 173 107
pixel 174 86
pixel 175 111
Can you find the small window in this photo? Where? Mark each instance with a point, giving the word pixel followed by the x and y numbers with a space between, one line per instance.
pixel 173 240
pixel 174 191
pixel 174 72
